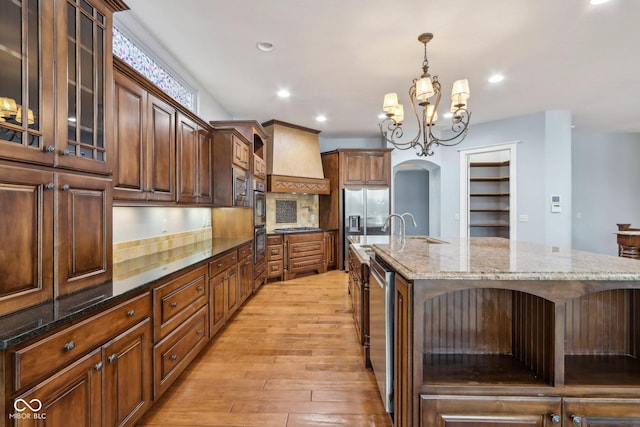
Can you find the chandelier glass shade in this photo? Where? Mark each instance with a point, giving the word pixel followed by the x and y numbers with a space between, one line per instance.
pixel 421 94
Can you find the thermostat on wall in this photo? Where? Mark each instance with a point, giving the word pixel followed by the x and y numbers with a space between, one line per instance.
pixel 555 204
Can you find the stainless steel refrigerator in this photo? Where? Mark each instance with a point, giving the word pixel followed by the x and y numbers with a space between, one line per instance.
pixel 365 211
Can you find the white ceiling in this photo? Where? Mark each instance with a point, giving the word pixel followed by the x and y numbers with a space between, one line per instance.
pixel 339 57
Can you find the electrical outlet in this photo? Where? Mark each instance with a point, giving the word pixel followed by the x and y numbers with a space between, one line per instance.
pixel 456 216
pixel 164 225
pixel 524 218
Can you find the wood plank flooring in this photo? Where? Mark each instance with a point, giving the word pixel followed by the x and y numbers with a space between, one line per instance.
pixel 290 357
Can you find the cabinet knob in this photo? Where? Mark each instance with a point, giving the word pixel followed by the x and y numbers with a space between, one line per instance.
pixel 49 148
pixel 98 366
pixel 199 288
pixel 65 187
pixel 70 346
pixel 576 420
pixel 219 264
pixel 199 331
pixel 174 357
pixel 49 186
pixel 67 153
pixel 173 304
pixel 131 313
pixel 555 419
pixel 153 190
pixel 112 358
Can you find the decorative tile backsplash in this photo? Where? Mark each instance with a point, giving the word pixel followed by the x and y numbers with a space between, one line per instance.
pixel 281 212
pixel 137 248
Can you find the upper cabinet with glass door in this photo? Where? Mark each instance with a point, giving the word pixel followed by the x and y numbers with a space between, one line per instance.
pixel 66 129
pixel 26 83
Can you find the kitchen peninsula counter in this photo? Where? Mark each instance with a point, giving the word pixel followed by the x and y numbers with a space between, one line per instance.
pixel 493 331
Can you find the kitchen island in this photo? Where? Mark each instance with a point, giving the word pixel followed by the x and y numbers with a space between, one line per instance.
pixel 490 331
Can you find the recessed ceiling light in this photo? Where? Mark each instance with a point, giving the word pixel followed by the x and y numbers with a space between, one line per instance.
pixel 321 118
pixel 283 93
pixel 265 46
pixel 496 78
pixel 598 1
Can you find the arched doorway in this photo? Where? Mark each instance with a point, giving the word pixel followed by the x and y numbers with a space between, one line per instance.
pixel 416 189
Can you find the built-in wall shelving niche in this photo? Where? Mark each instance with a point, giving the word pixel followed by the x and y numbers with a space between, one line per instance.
pixel 489 205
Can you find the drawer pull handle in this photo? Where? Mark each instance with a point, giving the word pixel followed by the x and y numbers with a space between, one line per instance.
pixel 49 186
pixel 174 357
pixel 131 313
pixel 98 366
pixel 219 264
pixel 555 419
pixel 173 304
pixel 70 346
pixel 199 288
pixel 112 358
pixel 49 149
pixel 576 420
pixel 199 331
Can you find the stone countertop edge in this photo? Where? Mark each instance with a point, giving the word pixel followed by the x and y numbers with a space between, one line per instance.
pixel 125 288
pixel 628 233
pixel 502 259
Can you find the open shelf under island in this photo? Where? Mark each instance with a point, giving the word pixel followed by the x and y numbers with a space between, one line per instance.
pixel 490 331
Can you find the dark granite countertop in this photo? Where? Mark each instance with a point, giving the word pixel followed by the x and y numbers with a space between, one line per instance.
pixel 129 277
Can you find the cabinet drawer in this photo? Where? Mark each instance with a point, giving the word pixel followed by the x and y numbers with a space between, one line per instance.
pixel 223 262
pixel 245 251
pixel 173 354
pixel 259 268
pixel 274 253
pixel 305 249
pixel 177 300
pixel 275 240
pixel 306 264
pixel 274 268
pixel 51 353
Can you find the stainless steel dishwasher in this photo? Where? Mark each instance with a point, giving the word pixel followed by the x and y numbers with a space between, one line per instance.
pixel 381 325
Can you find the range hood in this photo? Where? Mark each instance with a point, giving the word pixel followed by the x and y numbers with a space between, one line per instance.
pixel 293 159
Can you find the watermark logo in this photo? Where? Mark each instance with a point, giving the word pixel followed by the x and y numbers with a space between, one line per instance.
pixel 28 410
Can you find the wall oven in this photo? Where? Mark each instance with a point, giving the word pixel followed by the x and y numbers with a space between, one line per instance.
pixel 259 209
pixel 259 244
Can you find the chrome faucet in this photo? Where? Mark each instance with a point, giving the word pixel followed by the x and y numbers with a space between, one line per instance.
pixel 412 218
pixel 401 218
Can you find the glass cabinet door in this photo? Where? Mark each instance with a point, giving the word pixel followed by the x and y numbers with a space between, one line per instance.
pixel 26 86
pixel 87 49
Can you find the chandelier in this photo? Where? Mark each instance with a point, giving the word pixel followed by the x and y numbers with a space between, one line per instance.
pixel 420 92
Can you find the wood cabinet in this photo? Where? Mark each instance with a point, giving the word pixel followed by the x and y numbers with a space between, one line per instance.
pixel 127 379
pixel 489 411
pixel 259 168
pixel 359 291
pixel 92 373
pixel 275 256
pixel 71 396
pixel 84 241
pixel 331 249
pixel 223 289
pixel 489 205
pixel 145 148
pixel 245 271
pixel 29 234
pixel 304 252
pixel 230 172
pixel 194 162
pixel 366 168
pixel 349 168
pixel 534 353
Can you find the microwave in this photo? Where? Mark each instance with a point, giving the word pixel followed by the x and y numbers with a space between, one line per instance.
pixel 240 187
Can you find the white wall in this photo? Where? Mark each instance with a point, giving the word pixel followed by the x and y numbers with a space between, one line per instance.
pixel 606 188
pixel 135 223
pixel 330 144
pixel 411 194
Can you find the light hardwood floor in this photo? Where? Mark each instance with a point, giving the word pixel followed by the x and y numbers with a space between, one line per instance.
pixel 290 357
